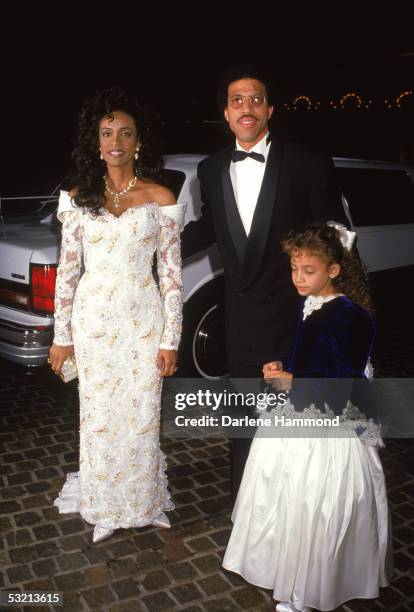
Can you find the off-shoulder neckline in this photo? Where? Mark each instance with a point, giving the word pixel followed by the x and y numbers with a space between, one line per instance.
pixel 142 205
pixel 136 206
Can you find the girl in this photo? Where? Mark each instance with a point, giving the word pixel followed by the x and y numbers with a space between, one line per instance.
pixel 311 518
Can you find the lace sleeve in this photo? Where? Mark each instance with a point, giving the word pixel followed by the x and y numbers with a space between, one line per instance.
pixel 67 278
pixel 170 273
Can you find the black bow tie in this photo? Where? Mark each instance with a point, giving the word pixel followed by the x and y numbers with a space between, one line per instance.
pixel 238 155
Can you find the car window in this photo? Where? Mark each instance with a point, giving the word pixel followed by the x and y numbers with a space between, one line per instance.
pixel 23 209
pixel 174 179
pixel 378 196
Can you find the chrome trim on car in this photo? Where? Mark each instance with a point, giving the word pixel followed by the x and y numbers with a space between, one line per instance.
pixel 24 335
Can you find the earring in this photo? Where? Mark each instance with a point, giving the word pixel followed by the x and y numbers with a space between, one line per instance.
pixel 136 153
pixel 100 154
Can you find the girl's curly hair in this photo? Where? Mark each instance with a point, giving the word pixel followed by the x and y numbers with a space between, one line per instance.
pixel 323 241
pixel 88 169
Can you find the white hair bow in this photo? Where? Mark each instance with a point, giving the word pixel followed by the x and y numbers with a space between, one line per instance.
pixel 346 237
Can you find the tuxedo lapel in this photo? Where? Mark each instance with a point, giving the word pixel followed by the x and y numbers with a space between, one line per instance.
pixel 223 188
pixel 233 219
pixel 262 217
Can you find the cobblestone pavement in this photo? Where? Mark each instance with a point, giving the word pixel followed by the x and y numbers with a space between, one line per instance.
pixel 147 569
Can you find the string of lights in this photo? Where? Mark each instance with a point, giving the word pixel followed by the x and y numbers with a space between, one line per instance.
pixel 351 100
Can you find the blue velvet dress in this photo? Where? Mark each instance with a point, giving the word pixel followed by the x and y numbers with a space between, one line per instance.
pixel 311 518
pixel 330 355
pixel 335 342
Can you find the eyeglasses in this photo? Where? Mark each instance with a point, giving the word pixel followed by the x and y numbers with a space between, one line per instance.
pixel 256 100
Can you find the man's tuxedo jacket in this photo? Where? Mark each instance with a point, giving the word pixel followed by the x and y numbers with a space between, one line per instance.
pixel 261 303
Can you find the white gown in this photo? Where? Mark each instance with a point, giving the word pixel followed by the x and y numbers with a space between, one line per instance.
pixel 109 306
pixel 311 519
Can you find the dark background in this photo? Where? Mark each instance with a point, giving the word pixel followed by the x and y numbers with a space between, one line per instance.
pixel 173 54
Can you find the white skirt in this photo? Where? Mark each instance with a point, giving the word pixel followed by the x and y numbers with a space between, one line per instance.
pixel 311 521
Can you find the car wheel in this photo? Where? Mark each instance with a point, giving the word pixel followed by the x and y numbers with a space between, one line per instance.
pixel 202 349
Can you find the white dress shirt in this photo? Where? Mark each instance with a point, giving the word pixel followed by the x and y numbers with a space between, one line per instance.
pixel 247 177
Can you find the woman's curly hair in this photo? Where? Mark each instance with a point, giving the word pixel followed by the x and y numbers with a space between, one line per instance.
pixel 324 241
pixel 88 169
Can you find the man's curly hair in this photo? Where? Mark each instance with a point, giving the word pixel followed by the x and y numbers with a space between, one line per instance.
pixel 323 241
pixel 86 178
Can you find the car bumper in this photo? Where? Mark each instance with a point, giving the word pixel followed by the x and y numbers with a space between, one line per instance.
pixel 25 344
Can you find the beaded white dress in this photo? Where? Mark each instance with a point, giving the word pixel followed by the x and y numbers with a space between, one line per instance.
pixel 108 305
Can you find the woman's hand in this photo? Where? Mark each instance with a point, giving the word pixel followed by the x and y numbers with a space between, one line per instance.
pixel 58 355
pixel 166 362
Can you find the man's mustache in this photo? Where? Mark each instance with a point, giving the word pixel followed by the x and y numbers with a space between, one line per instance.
pixel 247 116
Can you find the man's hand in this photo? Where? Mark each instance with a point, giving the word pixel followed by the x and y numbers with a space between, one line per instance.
pixel 166 362
pixel 58 355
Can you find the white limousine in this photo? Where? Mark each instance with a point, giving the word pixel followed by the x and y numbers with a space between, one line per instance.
pixel 378 198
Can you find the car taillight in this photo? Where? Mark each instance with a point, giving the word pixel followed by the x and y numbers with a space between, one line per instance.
pixel 42 282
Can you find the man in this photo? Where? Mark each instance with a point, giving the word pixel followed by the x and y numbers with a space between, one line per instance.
pixel 254 191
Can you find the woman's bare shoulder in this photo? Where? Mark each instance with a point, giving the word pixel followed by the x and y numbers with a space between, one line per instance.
pixel 161 195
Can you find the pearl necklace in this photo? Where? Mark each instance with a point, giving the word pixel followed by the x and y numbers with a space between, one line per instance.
pixel 118 194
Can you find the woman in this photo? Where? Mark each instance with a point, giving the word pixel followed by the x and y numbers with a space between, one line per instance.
pixel 123 330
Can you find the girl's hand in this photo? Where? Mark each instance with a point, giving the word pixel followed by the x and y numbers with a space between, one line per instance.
pixel 282 381
pixel 58 355
pixel 281 374
pixel 269 369
pixel 166 362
